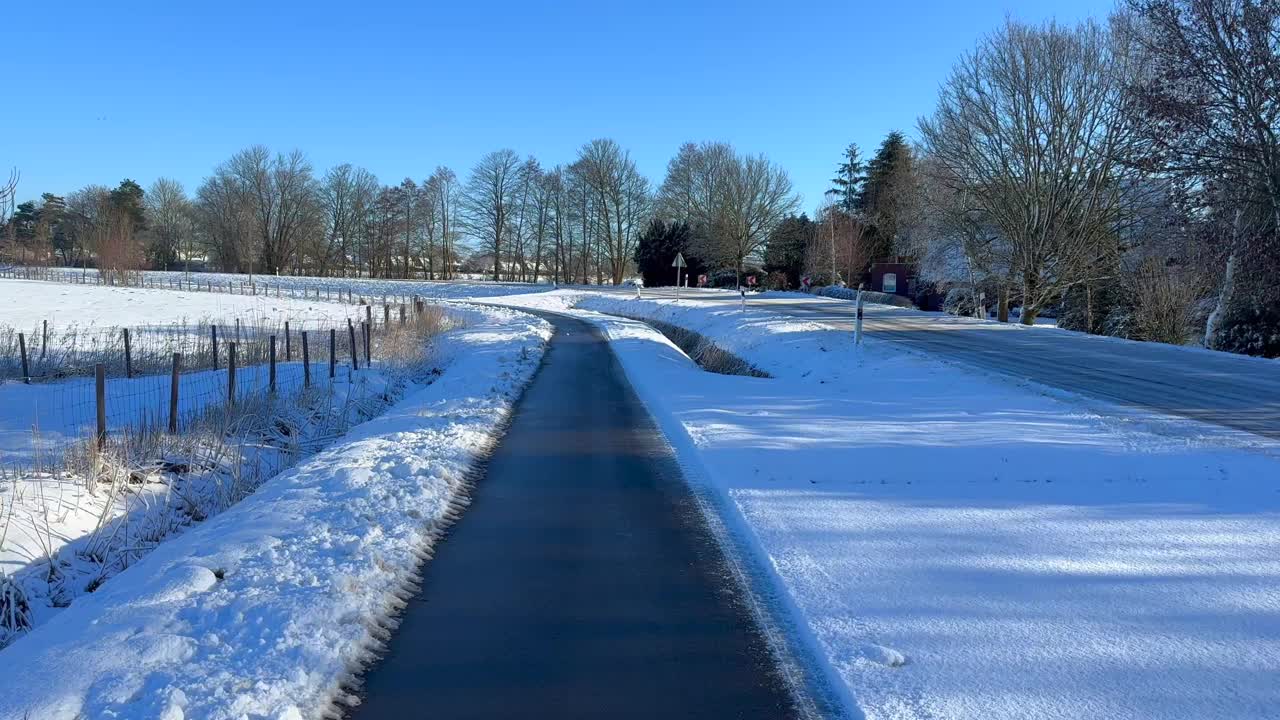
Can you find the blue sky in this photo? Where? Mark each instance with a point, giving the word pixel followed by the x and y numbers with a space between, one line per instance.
pixel 101 91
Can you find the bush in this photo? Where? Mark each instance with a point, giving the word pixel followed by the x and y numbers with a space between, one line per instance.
pixel 723 279
pixel 960 301
pixel 777 280
pixel 824 278
pixel 868 296
pixel 1250 327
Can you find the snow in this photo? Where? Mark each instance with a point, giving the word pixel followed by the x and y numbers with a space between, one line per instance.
pixel 965 546
pixel 307 285
pixel 24 304
pixel 266 609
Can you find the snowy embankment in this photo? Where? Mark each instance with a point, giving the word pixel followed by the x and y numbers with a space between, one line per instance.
pixel 966 546
pixel 265 610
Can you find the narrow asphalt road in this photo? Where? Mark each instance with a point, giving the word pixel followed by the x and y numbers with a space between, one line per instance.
pixel 1228 390
pixel 582 581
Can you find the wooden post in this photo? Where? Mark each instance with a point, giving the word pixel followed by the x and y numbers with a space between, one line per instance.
pixel 128 355
pixel 306 362
pixel 231 374
pixel 386 315
pixel 173 393
pixel 355 352
pixel 288 344
pixel 401 313
pixel 365 331
pixel 333 352
pixel 44 338
pixel 100 398
pixel 271 373
pixel 22 350
pixel 368 330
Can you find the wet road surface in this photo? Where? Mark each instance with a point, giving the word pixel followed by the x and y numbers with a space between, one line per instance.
pixel 582 581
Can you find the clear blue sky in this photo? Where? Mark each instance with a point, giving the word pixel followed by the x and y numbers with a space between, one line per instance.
pixel 99 91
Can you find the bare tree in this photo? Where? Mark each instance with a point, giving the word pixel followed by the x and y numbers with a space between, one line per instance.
pixel 285 201
pixel 169 219
pixel 621 199
pixel 346 196
pixel 1031 130
pixel 1209 101
pixel 487 202
pixel 442 190
pixel 8 202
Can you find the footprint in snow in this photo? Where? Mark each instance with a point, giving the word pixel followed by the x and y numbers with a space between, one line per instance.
pixel 881 655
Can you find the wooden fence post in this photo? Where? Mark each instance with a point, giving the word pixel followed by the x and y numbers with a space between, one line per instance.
pixel 355 351
pixel 214 330
pixel 364 331
pixel 333 354
pixel 128 356
pixel 44 338
pixel 288 343
pixel 271 374
pixel 401 313
pixel 306 362
pixel 386 315
pixel 173 393
pixel 22 350
pixel 231 374
pixel 100 399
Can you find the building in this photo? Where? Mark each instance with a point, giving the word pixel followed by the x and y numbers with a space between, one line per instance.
pixel 894 275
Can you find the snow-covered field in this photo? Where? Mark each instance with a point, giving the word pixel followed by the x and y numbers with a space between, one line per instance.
pixel 266 609
pixel 964 546
pixel 24 304
pixel 307 286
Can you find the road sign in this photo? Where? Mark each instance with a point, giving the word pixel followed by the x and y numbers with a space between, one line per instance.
pixel 678 264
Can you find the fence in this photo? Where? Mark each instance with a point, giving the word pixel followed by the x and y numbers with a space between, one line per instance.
pixel 58 385
pixel 282 287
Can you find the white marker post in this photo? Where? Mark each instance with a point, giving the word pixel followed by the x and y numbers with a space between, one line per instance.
pixel 678 264
pixel 743 292
pixel 857 332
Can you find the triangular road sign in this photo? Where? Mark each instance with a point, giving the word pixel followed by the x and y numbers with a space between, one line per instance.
pixel 679 261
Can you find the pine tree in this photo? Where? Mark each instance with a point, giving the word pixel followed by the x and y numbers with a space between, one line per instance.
pixel 657 247
pixel 882 196
pixel 847 184
pixel 785 249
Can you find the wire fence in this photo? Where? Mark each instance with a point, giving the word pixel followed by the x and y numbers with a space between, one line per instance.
pixel 60 384
pixel 146 431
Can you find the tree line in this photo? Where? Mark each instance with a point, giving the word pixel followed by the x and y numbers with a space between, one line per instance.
pixel 510 219
pixel 1124 176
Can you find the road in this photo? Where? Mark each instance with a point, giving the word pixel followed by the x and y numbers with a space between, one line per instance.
pixel 582 580
pixel 1232 391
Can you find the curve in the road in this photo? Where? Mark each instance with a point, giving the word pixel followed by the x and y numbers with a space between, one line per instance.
pixel 1232 391
pixel 582 580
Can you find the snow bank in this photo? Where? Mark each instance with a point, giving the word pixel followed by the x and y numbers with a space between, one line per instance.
pixel 265 610
pixel 965 546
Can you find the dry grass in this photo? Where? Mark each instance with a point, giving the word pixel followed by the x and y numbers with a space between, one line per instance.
pixel 150 483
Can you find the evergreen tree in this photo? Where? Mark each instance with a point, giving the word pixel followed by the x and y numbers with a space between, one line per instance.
pixel 881 198
pixel 657 247
pixel 127 199
pixel 785 249
pixel 847 184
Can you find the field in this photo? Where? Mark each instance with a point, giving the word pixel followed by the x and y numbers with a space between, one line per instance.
pixel 76 508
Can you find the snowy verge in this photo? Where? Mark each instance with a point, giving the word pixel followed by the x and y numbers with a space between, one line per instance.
pixel 267 609
pixel 960 545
